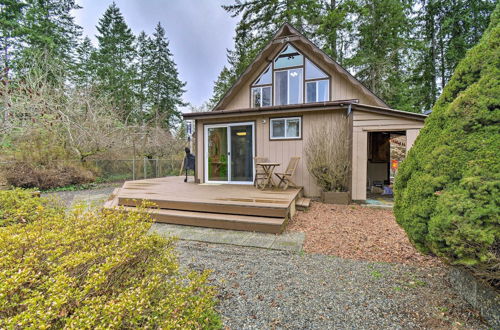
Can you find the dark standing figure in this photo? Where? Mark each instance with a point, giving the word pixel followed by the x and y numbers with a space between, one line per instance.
pixel 188 162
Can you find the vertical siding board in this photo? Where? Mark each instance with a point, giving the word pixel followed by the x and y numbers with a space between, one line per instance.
pixel 411 136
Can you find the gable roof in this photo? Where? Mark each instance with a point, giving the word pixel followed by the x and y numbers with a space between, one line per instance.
pixel 288 33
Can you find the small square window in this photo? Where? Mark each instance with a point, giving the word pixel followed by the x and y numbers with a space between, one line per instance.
pixel 285 128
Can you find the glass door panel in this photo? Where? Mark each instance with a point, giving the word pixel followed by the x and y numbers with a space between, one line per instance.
pixel 217 154
pixel 241 153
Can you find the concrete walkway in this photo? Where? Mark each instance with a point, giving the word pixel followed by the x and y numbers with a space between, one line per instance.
pixel 285 242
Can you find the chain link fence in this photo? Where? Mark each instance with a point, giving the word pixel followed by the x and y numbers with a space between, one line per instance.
pixel 135 169
pixel 110 170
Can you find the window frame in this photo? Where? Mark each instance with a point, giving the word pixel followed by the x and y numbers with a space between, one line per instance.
pixel 301 85
pixel 252 105
pixel 316 82
pixel 286 119
pixel 270 64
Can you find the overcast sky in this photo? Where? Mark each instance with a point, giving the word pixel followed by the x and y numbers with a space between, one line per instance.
pixel 199 32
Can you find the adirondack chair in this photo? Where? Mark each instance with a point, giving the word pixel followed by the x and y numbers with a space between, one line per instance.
pixel 286 177
pixel 259 172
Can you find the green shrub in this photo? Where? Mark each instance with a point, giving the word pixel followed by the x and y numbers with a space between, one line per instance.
pixel 447 191
pixel 97 269
pixel 21 206
pixel 53 175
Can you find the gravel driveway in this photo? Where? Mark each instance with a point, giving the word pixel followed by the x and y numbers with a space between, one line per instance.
pixel 266 289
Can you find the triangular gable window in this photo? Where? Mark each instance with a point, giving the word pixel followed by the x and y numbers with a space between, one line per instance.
pixel 290 79
pixel 288 57
pixel 313 72
pixel 265 78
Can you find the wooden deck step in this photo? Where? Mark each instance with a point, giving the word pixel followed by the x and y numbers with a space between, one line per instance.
pixel 112 200
pixel 248 208
pixel 217 220
pixel 303 203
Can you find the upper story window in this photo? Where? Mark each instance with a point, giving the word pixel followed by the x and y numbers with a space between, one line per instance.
pixel 290 78
pixel 261 89
pixel 317 84
pixel 288 57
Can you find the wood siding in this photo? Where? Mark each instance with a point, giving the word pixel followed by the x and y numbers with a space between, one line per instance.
pixel 340 87
pixel 364 122
pixel 281 150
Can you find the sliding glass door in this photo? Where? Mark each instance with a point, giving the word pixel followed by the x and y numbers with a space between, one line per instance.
pixel 229 152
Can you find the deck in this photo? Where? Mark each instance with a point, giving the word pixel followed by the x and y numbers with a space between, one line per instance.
pixel 226 206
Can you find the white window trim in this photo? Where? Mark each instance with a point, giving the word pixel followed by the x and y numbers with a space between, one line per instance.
pixel 261 96
pixel 286 119
pixel 301 86
pixel 316 82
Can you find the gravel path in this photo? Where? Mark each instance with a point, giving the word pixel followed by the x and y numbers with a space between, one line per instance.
pixel 89 195
pixel 266 289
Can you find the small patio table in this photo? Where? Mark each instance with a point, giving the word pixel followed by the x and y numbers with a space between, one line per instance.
pixel 268 169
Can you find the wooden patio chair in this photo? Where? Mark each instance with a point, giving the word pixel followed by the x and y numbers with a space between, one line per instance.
pixel 286 177
pixel 259 172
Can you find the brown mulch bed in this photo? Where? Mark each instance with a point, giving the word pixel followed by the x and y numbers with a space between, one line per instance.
pixel 357 232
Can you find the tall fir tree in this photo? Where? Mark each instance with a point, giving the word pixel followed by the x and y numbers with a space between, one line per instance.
pixel 49 35
pixel 143 55
pixel 382 48
pixel 165 89
pixel 11 18
pixel 84 67
pixel 114 61
pixel 335 30
pixel 444 31
pixel 259 21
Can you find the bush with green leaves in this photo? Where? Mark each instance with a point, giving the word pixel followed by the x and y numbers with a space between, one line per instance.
pixel 21 206
pixel 97 269
pixel 447 192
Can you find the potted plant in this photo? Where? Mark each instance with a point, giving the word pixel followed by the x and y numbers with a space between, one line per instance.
pixel 328 161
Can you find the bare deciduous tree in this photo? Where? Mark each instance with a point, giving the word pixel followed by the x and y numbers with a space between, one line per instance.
pixel 327 155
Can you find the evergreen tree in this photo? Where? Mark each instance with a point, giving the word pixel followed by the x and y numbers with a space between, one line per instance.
pixel 84 66
pixel 382 49
pixel 447 190
pixel 335 29
pixel 238 60
pixel 259 21
pixel 11 17
pixel 143 55
pixel 445 30
pixel 165 89
pixel 114 61
pixel 50 34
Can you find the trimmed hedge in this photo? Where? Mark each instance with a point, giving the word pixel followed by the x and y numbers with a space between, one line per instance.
pixel 447 192
pixel 96 269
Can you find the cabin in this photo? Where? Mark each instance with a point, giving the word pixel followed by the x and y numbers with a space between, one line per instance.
pixel 291 90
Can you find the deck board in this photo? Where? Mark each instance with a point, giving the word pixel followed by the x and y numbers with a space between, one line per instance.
pixel 173 193
pixel 240 207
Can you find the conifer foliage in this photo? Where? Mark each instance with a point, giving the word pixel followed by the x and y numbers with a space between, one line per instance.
pixel 405 51
pixel 114 60
pixel 447 191
pixel 137 75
